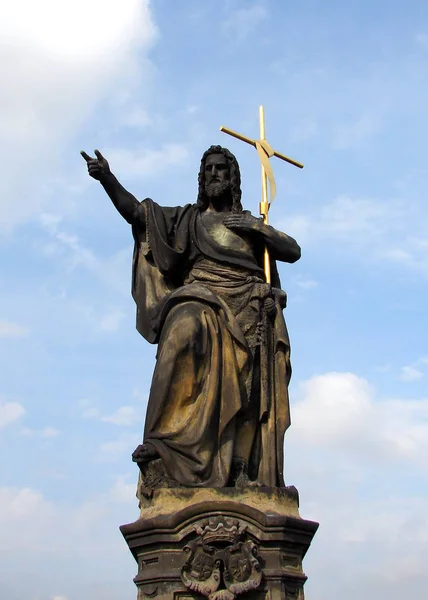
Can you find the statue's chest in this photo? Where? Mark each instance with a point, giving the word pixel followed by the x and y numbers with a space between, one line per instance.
pixel 225 237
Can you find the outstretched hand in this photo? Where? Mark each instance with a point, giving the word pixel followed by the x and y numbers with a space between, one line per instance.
pixel 97 167
pixel 244 222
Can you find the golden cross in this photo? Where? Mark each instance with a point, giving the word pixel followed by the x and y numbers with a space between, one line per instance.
pixel 265 151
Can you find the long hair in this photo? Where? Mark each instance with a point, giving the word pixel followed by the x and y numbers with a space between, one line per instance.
pixel 235 179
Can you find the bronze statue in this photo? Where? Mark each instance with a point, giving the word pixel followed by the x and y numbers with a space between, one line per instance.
pixel 218 405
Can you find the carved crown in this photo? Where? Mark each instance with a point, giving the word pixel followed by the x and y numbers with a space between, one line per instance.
pixel 220 529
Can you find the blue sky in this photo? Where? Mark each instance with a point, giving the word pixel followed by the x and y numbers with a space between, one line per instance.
pixel 345 91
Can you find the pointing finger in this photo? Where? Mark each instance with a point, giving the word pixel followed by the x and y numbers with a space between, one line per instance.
pixel 99 155
pixel 86 156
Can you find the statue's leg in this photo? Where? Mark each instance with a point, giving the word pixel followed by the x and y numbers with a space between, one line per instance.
pixel 246 429
pixel 180 335
pixel 245 434
pixel 193 395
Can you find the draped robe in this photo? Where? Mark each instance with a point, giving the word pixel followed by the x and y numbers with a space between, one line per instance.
pixel 202 303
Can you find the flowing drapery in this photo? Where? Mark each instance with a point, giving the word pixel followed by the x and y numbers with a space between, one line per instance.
pixel 203 305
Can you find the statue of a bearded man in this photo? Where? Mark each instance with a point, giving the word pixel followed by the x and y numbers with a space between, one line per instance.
pixel 218 405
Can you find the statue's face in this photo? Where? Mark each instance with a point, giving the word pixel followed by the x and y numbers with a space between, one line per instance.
pixel 217 175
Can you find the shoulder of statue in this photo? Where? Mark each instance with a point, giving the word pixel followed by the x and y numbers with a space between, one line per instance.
pixel 148 202
pixel 153 212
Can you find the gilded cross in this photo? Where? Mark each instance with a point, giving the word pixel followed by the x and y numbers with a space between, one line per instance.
pixel 265 151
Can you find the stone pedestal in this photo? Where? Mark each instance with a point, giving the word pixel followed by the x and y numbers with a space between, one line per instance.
pixel 220 544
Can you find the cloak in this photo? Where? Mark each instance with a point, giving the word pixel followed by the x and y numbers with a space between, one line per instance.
pixel 200 302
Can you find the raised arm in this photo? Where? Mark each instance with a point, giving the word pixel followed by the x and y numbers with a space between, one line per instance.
pixel 126 204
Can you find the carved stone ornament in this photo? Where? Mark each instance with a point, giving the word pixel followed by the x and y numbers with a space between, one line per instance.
pixel 222 562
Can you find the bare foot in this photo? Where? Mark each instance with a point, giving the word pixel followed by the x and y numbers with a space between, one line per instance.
pixel 144 453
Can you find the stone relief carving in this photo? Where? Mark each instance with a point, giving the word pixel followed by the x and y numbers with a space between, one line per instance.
pixel 222 562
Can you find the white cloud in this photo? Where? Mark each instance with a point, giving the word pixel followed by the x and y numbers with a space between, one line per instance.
pixel 12 330
pixel 18 506
pixel 50 432
pixel 90 413
pixel 10 412
pixel 145 162
pixel 414 371
pixel 333 406
pixel 409 373
pixel 137 117
pixel 125 416
pixel 46 432
pixel 354 458
pixel 58 26
pixel 351 134
pixel 115 450
pixel 58 61
pixel 305 283
pixel 29 521
pixel 350 220
pixel 111 270
pixel 110 322
pixel 22 504
pixel 242 22
pixel 340 411
pixel 347 216
pixel 122 491
pixel 80 256
pixel 374 229
pixel 422 39
pixel 364 539
pixel 399 255
pixel 192 109
pixel 412 252
pixel 305 129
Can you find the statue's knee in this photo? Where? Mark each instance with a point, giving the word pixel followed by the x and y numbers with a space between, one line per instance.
pixel 185 324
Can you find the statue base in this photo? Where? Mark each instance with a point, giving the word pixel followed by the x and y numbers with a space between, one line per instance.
pixel 196 543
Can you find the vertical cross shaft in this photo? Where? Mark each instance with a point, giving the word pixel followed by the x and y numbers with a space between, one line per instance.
pixel 264 204
pixel 265 151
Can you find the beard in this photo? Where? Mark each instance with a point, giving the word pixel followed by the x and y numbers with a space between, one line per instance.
pixel 217 189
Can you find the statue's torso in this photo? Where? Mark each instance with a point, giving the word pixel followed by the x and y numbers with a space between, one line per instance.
pixel 225 237
pixel 240 286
